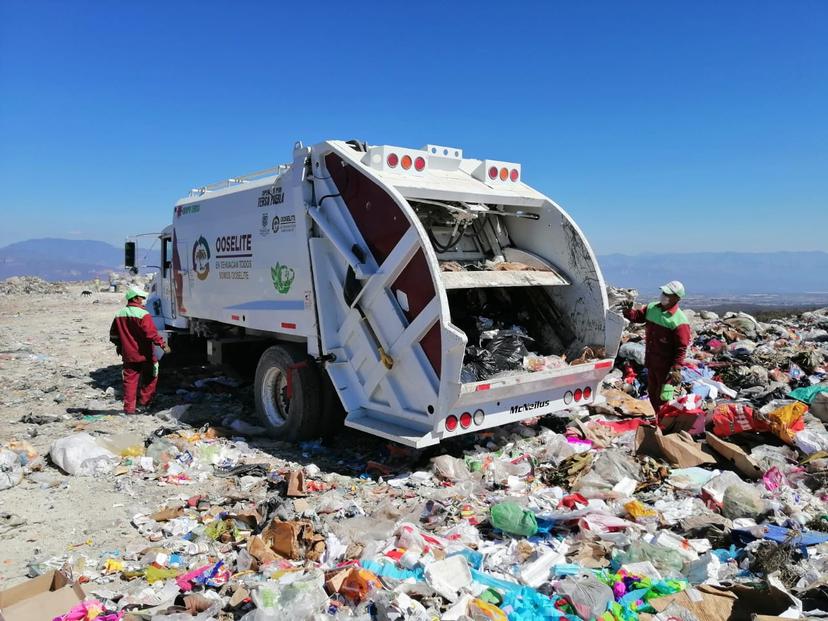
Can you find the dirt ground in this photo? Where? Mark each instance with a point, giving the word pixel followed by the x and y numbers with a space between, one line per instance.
pixel 56 362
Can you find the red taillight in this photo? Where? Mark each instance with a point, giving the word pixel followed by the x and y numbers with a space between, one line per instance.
pixel 465 420
pixel 392 160
pixel 451 423
pixel 493 172
pixel 514 174
pixel 419 163
pixel 504 174
pixel 406 162
pixel 587 392
pixel 578 394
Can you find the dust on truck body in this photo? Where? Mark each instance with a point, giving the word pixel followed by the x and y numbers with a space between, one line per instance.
pixel 369 266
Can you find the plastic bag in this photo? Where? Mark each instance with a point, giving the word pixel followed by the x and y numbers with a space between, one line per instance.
pixel 451 468
pixel 80 454
pixel 663 559
pixel 633 351
pixel 742 500
pixel 513 519
pixel 478 364
pixel 587 595
pixel 730 418
pixel 788 420
pixel 295 596
pixel 507 348
pixel 11 472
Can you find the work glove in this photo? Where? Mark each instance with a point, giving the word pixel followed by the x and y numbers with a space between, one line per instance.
pixel 675 377
pixel 167 349
pixel 626 305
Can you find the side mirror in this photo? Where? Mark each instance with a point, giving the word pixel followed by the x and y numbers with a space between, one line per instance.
pixel 129 254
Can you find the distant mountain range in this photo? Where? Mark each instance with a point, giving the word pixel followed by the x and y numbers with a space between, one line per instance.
pixel 722 273
pixel 800 274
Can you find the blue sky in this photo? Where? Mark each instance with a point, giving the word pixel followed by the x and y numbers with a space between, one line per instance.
pixel 657 125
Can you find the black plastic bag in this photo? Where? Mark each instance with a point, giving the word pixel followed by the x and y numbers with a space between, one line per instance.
pixel 478 364
pixel 507 348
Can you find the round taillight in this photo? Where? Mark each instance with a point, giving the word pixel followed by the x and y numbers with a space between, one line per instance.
pixel 514 174
pixel 465 420
pixel 451 423
pixel 568 397
pixel 587 392
pixel 504 174
pixel 419 163
pixel 578 394
pixel 392 160
pixel 406 162
pixel 478 417
pixel 493 172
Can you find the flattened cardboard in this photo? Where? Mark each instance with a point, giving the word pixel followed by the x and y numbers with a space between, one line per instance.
pixel 45 597
pixel 626 405
pixel 735 455
pixel 704 602
pixel 678 448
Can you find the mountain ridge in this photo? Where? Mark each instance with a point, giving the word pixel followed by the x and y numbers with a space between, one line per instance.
pixel 703 273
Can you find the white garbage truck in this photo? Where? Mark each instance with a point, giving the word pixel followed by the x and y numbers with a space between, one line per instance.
pixel 428 293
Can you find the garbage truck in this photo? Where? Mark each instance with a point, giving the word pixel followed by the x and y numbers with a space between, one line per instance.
pixel 417 293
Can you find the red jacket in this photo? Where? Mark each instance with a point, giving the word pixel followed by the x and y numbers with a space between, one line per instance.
pixel 134 334
pixel 667 334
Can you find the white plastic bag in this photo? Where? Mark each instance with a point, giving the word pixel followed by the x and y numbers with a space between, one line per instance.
pixel 11 472
pixel 80 454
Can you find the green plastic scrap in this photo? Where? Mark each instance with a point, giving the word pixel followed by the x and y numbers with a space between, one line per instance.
pixel 511 518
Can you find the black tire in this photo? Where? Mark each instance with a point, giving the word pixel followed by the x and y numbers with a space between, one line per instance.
pixel 300 415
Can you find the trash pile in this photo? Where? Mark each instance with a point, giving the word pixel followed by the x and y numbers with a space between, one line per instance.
pixel 604 512
pixel 509 333
pixel 30 285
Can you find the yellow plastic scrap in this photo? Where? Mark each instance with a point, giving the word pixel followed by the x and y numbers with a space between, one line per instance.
pixel 484 611
pixel 154 574
pixel 637 510
pixel 113 566
pixel 786 421
pixel 133 451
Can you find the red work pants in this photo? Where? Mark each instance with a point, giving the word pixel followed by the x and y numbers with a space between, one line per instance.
pixel 139 377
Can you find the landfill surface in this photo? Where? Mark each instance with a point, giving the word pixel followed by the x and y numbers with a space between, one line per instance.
pixel 190 512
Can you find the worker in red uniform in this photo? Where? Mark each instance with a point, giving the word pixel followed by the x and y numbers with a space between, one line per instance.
pixel 134 336
pixel 667 337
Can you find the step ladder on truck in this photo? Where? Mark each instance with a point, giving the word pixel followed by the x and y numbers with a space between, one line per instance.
pixel 364 276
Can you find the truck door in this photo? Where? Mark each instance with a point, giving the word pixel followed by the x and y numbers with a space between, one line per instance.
pixel 168 306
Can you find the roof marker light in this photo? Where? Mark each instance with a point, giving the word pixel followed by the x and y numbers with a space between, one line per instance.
pixel 514 174
pixel 419 164
pixel 392 160
pixel 504 174
pixel 493 172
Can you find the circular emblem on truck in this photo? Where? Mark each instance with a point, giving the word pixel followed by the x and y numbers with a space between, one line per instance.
pixel 275 224
pixel 201 258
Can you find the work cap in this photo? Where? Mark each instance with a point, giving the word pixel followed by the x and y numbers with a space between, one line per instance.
pixel 674 287
pixel 135 292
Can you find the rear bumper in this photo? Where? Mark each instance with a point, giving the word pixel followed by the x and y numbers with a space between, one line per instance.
pixel 516 398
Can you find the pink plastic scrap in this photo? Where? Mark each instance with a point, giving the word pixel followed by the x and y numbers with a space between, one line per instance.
pixel 90 610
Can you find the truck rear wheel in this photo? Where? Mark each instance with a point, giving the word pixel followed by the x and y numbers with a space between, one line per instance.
pixel 288 394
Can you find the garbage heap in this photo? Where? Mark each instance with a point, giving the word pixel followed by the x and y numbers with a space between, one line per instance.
pixel 30 285
pixel 596 513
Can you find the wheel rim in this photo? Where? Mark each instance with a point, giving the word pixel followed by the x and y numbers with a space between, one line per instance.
pixel 275 401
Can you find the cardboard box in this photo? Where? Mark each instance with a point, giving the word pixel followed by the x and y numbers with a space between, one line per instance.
pixel 45 597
